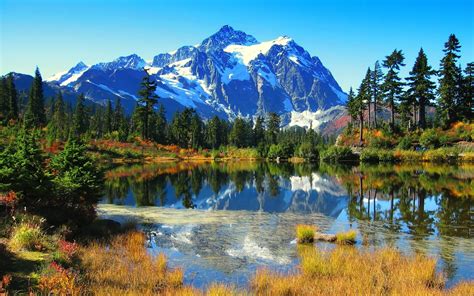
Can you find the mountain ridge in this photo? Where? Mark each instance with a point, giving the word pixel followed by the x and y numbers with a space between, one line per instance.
pixel 228 74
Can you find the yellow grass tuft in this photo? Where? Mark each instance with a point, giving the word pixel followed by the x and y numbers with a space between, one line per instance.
pixel 346 238
pixel 305 233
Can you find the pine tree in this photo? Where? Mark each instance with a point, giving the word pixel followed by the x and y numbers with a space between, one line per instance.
pixel 449 82
pixel 80 118
pixel 57 126
pixel 118 115
pixel 352 107
pixel 108 118
pixel 213 133
pixel 273 128
pixel 161 125
pixel 420 88
pixel 368 95
pixel 377 78
pixel 360 104
pixel 466 106
pixel 196 131
pixel 392 85
pixel 147 99
pixel 239 134
pixel 259 131
pixel 35 114
pixel 4 110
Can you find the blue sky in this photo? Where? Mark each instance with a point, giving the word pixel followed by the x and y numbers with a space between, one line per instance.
pixel 348 36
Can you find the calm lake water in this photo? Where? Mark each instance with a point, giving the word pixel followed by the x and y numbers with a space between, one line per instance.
pixel 222 221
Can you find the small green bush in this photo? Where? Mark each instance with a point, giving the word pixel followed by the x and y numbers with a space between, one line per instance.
pixel 429 139
pixel 376 155
pixel 337 153
pixel 282 150
pixel 305 233
pixel 405 143
pixel 407 155
pixel 308 151
pixel 441 155
pixel 28 237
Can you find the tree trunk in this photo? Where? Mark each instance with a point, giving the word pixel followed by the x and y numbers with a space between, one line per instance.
pixel 370 117
pixel 375 113
pixel 392 115
pixel 422 117
pixel 361 128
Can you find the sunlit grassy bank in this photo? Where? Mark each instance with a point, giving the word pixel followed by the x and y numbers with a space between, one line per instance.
pixel 123 266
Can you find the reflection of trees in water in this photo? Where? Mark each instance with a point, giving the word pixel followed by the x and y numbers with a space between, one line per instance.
pixel 403 194
pixel 395 195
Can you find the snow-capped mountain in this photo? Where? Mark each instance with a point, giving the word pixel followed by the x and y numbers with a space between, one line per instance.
pixel 228 74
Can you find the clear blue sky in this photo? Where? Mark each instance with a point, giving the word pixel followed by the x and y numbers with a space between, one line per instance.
pixel 348 36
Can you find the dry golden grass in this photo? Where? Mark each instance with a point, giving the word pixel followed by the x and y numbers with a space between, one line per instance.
pixel 349 271
pixel 124 267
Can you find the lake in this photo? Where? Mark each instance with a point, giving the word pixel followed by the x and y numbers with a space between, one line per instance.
pixel 222 221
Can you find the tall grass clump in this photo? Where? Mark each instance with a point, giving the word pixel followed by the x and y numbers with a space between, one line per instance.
pixel 28 236
pixel 305 233
pixel 349 271
pixel 124 267
pixel 346 238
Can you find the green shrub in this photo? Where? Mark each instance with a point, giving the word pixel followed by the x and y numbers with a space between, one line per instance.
pixel 379 143
pixel 441 155
pixel 429 139
pixel 408 155
pixel 376 155
pixel 305 233
pixel 337 154
pixel 26 236
pixel 282 150
pixel 405 143
pixel 308 151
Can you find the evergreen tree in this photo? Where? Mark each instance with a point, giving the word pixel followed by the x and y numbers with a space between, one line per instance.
pixel 77 182
pixel 213 133
pixel 118 115
pixel 4 107
pixel 449 87
pixel 259 131
pixel 377 78
pixel 368 95
pixel 420 91
pixel 80 119
pixel 57 126
pixel 196 131
pixel 392 85
pixel 35 114
pixel 273 128
pixel 352 107
pixel 360 104
pixel 161 125
pixel 466 106
pixel 147 99
pixel 239 134
pixel 108 118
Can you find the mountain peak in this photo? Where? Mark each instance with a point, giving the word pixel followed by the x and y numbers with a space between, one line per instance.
pixel 132 61
pixel 226 36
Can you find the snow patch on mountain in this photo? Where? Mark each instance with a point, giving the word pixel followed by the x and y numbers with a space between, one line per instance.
pixel 73 77
pixel 247 53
